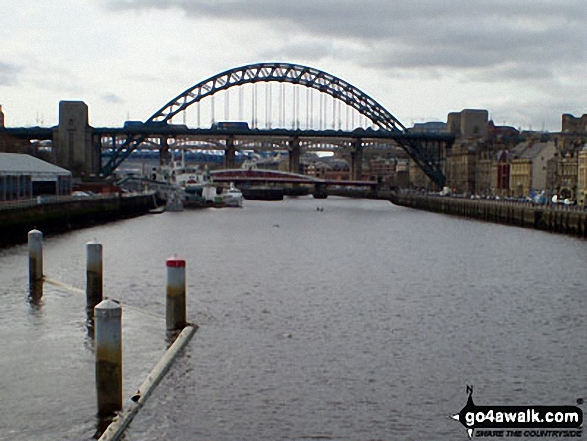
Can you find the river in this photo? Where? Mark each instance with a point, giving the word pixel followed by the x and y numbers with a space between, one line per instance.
pixel 360 321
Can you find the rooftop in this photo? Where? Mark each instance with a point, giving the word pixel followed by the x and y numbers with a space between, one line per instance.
pixel 530 149
pixel 19 164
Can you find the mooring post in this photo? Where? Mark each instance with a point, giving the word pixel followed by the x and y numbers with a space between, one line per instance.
pixel 94 276
pixel 108 348
pixel 35 242
pixel 176 294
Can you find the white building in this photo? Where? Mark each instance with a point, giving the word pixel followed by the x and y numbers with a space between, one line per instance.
pixel 24 177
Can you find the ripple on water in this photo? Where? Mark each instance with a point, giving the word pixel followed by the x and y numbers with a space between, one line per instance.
pixel 365 321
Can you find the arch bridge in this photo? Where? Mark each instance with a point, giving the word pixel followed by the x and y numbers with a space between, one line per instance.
pixel 327 96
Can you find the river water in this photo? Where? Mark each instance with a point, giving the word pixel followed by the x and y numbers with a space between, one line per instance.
pixel 364 321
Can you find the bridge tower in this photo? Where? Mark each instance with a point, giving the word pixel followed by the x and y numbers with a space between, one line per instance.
pixel 73 140
pixel 230 153
pixel 357 159
pixel 294 155
pixel 164 158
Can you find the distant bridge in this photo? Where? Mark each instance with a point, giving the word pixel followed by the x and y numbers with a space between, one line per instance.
pixel 256 176
pixel 317 121
pixel 426 150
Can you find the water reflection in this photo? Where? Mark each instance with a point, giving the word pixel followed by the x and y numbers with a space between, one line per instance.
pixel 35 295
pixel 90 328
pixel 90 321
pixel 171 336
pixel 366 320
pixel 102 424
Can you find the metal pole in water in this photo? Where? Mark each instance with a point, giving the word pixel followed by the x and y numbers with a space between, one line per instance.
pixel 176 294
pixel 94 276
pixel 108 348
pixel 35 242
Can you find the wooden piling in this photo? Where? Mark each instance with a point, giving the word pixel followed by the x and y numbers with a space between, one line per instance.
pixel 108 348
pixel 94 276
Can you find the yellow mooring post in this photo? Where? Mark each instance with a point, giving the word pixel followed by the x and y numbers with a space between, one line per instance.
pixel 94 277
pixel 176 295
pixel 108 346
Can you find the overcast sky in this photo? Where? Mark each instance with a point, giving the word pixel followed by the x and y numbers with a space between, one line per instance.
pixel 523 60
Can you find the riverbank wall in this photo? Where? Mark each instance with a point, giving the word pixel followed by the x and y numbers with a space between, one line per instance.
pixel 60 215
pixel 553 218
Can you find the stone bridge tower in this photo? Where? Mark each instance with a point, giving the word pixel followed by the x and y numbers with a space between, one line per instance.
pixel 73 140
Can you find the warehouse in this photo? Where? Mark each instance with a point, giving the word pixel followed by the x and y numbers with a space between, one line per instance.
pixel 24 177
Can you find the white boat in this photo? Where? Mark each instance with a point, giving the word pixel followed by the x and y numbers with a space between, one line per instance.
pixel 174 201
pixel 195 185
pixel 232 197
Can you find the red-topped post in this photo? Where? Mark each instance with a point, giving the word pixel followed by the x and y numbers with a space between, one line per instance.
pixel 176 294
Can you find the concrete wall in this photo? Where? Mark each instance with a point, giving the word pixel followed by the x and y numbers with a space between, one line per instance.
pixel 67 215
pixel 556 219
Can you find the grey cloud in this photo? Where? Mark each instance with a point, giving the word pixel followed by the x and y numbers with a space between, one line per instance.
pixel 112 98
pixel 311 50
pixel 418 34
pixel 9 73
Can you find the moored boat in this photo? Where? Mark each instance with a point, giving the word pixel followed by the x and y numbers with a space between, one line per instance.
pixel 232 197
pixel 174 201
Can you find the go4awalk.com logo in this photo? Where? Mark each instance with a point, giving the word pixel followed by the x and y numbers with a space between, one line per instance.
pixel 520 421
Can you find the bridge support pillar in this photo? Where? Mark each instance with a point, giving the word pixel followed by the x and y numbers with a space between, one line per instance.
pixel 357 160
pixel 164 151
pixel 294 155
pixel 73 139
pixel 230 153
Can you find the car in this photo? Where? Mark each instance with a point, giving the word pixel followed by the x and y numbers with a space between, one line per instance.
pixel 81 195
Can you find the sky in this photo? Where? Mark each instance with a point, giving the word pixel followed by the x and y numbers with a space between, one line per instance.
pixel 525 61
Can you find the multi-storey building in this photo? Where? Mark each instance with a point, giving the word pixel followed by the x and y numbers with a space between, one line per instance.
pixel 432 127
pixel 402 179
pixel 382 170
pixel 567 168
pixel 329 168
pixel 468 123
pixel 486 173
pixel 582 176
pixel 574 131
pixel 528 169
pixel 470 128
pixel 460 167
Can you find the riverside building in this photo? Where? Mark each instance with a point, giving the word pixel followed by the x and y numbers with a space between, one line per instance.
pixel 25 177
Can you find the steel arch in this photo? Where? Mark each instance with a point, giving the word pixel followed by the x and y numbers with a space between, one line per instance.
pixel 416 146
pixel 282 73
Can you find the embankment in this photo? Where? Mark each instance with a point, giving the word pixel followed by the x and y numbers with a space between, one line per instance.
pixel 64 215
pixel 555 218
